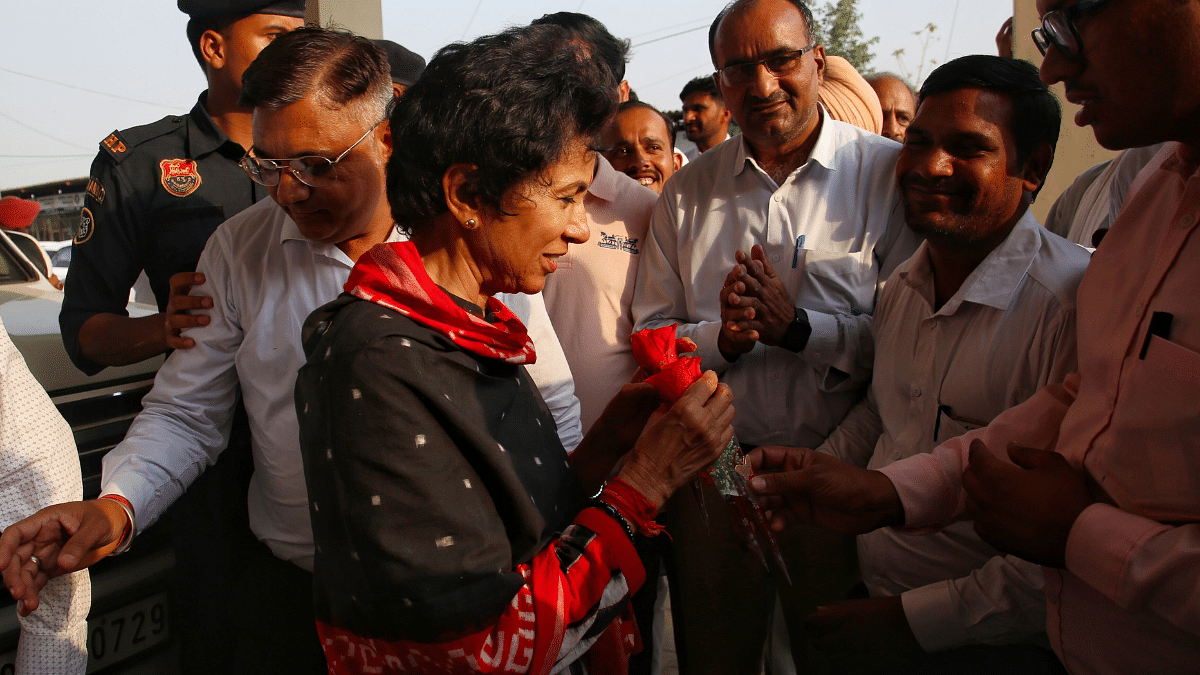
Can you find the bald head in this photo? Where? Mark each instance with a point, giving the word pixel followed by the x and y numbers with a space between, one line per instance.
pixel 897 102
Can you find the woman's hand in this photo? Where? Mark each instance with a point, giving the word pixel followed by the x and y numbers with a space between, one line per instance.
pixel 678 444
pixel 614 433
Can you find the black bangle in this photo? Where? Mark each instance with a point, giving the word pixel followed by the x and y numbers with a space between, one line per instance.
pixel 613 513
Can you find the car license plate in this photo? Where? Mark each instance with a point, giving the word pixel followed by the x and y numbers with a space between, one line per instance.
pixel 118 635
pixel 125 632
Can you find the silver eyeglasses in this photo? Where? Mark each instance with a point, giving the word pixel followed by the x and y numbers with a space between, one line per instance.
pixel 778 65
pixel 313 170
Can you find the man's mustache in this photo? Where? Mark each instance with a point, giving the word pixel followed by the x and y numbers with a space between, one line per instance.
pixel 931 184
pixel 778 97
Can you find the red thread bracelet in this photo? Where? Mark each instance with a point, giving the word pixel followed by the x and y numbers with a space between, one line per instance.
pixel 633 506
pixel 127 534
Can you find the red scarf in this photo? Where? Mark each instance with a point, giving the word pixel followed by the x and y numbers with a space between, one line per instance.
pixel 394 276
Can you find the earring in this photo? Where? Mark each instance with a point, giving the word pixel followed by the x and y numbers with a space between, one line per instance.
pixel 470 224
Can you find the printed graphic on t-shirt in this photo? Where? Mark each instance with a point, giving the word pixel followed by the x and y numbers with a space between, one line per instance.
pixel 619 243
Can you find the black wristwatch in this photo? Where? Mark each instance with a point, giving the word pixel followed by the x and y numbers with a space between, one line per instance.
pixel 795 337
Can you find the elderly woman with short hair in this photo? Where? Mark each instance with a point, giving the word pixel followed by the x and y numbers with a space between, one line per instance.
pixel 453 532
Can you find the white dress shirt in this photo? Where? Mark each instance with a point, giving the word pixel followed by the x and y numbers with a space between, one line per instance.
pixel 691 153
pixel 1007 332
pixel 590 294
pixel 265 279
pixel 39 466
pixel 833 232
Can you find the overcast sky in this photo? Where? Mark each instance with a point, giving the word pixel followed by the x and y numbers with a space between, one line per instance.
pixel 71 71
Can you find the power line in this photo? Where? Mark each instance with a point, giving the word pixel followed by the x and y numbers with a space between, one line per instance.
pixel 671 77
pixel 706 20
pixel 666 37
pixel 477 6
pixel 93 91
pixel 14 120
pixel 950 37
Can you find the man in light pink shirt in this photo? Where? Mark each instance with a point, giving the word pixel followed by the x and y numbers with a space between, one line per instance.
pixel 1097 479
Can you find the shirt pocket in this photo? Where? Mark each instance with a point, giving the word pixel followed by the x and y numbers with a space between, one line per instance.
pixel 839 280
pixel 1153 456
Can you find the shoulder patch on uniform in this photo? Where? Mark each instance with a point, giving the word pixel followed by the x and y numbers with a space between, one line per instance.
pixel 120 144
pixel 95 190
pixel 87 226
pixel 180 177
pixel 115 145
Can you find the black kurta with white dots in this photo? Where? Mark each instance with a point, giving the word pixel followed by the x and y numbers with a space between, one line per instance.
pixel 431 473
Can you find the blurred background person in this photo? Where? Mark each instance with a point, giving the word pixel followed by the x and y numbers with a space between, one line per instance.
pixel 405 65
pixel 705 117
pixel 896 102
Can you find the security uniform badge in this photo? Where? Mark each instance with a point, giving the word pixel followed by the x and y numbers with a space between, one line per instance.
pixel 87 225
pixel 95 190
pixel 179 176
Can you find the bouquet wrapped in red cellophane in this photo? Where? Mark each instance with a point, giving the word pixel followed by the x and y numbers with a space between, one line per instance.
pixel 655 350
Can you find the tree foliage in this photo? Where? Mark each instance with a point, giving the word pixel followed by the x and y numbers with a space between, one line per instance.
pixel 838 29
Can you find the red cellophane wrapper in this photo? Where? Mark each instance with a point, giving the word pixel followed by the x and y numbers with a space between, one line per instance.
pixel 655 350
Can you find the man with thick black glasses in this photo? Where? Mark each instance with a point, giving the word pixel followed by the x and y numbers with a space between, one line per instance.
pixel 769 251
pixel 1097 479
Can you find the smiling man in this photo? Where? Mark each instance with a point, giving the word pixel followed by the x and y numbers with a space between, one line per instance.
pixel 769 251
pixel 265 270
pixel 156 194
pixel 321 142
pixel 977 321
pixel 640 143
pixel 1097 479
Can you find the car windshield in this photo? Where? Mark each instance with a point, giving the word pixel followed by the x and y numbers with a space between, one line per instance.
pixel 61 257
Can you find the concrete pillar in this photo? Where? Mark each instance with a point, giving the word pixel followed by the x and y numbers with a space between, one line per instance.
pixel 1077 146
pixel 363 17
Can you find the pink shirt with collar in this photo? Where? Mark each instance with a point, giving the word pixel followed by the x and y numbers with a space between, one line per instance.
pixel 1129 598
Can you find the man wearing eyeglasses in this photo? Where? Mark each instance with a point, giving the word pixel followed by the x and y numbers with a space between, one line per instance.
pixel 321 142
pixel 319 149
pixel 769 250
pixel 155 195
pixel 1097 479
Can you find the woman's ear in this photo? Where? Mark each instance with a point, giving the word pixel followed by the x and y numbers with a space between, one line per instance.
pixel 460 198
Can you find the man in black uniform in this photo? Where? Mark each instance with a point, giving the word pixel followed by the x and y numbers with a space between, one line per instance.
pixel 156 194
pixel 158 191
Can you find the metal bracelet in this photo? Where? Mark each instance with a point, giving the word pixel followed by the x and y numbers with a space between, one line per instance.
pixel 126 542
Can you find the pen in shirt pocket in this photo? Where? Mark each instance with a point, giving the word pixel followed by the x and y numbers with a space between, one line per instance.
pixel 796 252
pixel 1160 325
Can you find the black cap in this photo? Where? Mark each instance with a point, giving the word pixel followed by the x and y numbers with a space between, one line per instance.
pixel 208 8
pixel 406 66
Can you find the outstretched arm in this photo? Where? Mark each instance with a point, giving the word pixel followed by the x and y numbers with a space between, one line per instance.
pixel 806 486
